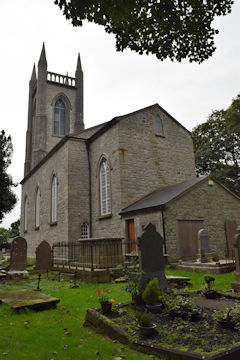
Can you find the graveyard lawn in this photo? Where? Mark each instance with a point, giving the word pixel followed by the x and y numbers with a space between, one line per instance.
pixel 59 333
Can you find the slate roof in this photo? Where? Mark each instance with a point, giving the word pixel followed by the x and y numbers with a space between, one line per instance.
pixel 162 196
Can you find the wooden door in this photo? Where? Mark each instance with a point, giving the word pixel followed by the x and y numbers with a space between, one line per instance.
pixel 230 230
pixel 131 235
pixel 188 237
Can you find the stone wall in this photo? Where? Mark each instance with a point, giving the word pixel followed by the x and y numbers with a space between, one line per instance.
pixel 212 204
pixel 150 160
pixel 106 145
pixel 78 188
pixel 57 164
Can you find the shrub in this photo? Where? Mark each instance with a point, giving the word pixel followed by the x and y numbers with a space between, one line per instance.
pixel 144 319
pixel 152 292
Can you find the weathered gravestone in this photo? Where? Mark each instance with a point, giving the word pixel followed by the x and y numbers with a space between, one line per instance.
pixel 204 242
pixel 236 244
pixel 43 256
pixel 204 245
pixel 18 254
pixel 151 259
pixel 18 258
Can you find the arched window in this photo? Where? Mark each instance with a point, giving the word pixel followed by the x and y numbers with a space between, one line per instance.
pixel 54 199
pixel 25 225
pixel 37 208
pixel 59 118
pixel 84 231
pixel 159 125
pixel 105 196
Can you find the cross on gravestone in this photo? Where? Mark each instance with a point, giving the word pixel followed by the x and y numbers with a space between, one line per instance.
pixel 151 259
pixel 18 254
pixel 204 242
pixel 43 256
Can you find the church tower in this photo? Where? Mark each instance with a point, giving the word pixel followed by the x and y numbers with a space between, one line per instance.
pixel 55 109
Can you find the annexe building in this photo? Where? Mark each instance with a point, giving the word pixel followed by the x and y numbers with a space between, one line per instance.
pixel 114 178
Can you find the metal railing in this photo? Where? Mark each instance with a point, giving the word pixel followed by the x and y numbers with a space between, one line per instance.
pixel 90 254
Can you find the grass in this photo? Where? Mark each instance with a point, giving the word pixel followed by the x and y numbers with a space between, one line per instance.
pixel 59 334
pixel 222 281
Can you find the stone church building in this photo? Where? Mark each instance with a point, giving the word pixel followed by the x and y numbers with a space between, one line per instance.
pixel 116 177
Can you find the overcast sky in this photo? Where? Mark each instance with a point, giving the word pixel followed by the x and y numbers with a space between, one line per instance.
pixel 114 83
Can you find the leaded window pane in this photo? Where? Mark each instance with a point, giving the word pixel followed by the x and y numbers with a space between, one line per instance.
pixel 37 209
pixel 84 231
pixel 60 118
pixel 105 197
pixel 159 126
pixel 54 199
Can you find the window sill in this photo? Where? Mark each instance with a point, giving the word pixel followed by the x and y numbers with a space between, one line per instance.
pixel 102 217
pixel 54 223
pixel 37 228
pixel 160 135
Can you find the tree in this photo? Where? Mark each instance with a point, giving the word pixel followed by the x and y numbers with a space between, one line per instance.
pixel 14 229
pixel 217 149
pixel 7 197
pixel 166 28
pixel 4 236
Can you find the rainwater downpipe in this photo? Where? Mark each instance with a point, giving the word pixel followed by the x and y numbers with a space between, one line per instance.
pixel 164 230
pixel 90 187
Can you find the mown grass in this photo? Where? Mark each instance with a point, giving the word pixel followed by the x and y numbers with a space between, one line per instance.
pixel 59 333
pixel 222 281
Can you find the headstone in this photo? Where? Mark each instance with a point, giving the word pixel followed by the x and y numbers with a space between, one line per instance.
pixel 43 256
pixel 151 259
pixel 18 254
pixel 204 243
pixel 236 244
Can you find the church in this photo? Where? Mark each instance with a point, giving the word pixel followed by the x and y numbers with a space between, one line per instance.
pixel 114 178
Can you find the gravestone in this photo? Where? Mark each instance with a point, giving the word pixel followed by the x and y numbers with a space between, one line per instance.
pixel 151 259
pixel 43 256
pixel 18 254
pixel 204 243
pixel 236 244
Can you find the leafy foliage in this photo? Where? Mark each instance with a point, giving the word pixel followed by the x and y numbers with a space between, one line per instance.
pixel 7 197
pixel 217 146
pixel 14 229
pixel 4 236
pixel 144 318
pixel 168 28
pixel 152 292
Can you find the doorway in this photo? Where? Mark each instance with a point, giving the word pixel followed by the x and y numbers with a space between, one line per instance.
pixel 131 245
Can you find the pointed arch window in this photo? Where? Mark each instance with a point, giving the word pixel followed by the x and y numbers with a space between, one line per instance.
pixel 158 125
pixel 54 200
pixel 59 118
pixel 105 196
pixel 84 231
pixel 37 208
pixel 25 224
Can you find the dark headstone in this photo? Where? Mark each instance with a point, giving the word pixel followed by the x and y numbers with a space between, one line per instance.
pixel 18 254
pixel 151 259
pixel 43 256
pixel 204 243
pixel 236 244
